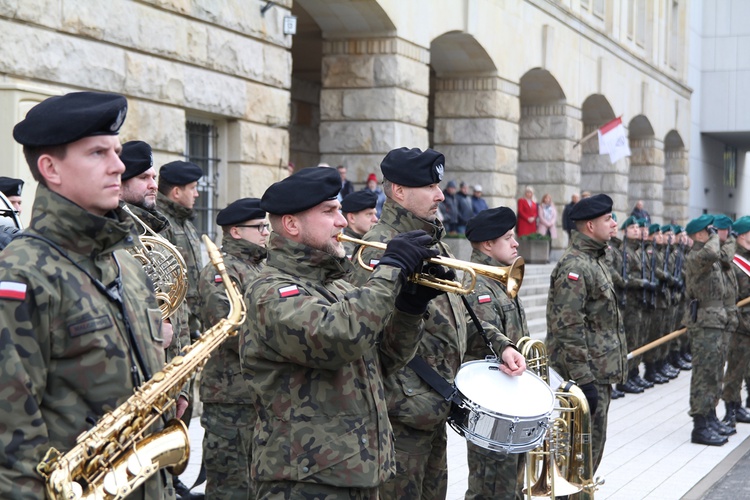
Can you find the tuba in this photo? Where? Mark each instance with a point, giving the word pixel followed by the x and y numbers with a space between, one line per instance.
pixel 563 464
pixel 118 454
pixel 163 264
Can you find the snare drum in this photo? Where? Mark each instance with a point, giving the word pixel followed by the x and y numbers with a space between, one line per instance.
pixel 499 412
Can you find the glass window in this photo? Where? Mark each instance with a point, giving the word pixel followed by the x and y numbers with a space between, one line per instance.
pixel 201 149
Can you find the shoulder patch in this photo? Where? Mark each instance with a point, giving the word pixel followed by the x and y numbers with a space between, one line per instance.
pixel 12 290
pixel 374 262
pixel 288 291
pixel 483 299
pixel 218 278
pixel 573 276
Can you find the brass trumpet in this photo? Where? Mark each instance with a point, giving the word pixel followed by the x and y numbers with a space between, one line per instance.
pixel 511 276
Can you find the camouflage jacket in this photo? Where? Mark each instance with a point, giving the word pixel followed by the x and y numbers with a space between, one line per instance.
pixel 349 248
pixel 492 305
pixel 185 237
pixel 728 249
pixel 314 352
pixel 448 331
pixel 662 295
pixel 637 268
pixel 585 337
pixel 743 291
pixel 221 379
pixel 704 282
pixel 179 319
pixel 65 355
pixel 615 261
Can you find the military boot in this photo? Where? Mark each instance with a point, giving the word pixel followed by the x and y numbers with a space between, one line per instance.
pixel 703 434
pixel 642 383
pixel 729 420
pixel 652 375
pixel 630 387
pixel 679 362
pixel 686 354
pixel 718 427
pixel 667 370
pixel 741 415
pixel 616 393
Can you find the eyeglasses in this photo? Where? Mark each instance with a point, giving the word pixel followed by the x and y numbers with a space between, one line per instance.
pixel 259 227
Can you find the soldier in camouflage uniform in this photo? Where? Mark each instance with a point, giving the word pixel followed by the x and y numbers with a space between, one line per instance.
pixel 618 272
pixel 585 336
pixel 492 474
pixel 67 357
pixel 681 344
pixel 738 359
pixel 313 348
pixel 178 189
pixel 706 320
pixel 419 413
pixel 228 413
pixel 359 210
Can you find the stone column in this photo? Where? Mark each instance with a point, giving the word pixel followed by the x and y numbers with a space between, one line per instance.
pixel 599 175
pixel 676 185
pixel 548 161
pixel 646 179
pixel 476 128
pixel 374 98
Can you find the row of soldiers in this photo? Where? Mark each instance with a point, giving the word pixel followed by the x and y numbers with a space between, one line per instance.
pixel 671 279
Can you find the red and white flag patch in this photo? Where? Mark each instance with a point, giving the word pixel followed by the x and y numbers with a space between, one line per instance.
pixel 573 276
pixel 374 262
pixel 12 290
pixel 288 291
pixel 483 299
pixel 218 279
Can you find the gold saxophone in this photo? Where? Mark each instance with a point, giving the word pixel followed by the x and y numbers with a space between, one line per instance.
pixel 163 264
pixel 118 454
pixel 563 464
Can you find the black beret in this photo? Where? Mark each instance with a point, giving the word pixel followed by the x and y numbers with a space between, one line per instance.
pixel 10 186
pixel 240 211
pixel 137 158
pixel 591 207
pixel 180 173
pixel 490 224
pixel 68 118
pixel 413 167
pixel 302 190
pixel 358 201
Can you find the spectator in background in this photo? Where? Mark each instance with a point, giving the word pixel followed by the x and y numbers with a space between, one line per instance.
pixel 477 202
pixel 465 211
pixel 372 185
pixel 568 224
pixel 585 194
pixel 449 208
pixel 547 217
pixel 527 212
pixel 639 212
pixel 347 187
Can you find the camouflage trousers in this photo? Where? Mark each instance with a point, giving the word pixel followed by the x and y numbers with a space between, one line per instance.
pixel 289 490
pixel 227 451
pixel 421 464
pixel 494 475
pixel 635 321
pixel 599 424
pixel 656 330
pixel 705 382
pixel 738 362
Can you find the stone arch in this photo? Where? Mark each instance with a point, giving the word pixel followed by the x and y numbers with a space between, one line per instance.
pixel 646 176
pixel 598 174
pixel 473 116
pixel 677 180
pixel 549 128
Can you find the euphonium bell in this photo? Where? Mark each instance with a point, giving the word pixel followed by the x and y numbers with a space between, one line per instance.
pixel 511 276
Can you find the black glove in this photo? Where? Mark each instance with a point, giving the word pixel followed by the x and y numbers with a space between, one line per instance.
pixel 679 284
pixel 648 285
pixel 711 230
pixel 733 233
pixel 408 251
pixel 413 298
pixel 592 396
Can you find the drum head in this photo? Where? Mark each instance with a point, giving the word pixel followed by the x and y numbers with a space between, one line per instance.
pixel 484 384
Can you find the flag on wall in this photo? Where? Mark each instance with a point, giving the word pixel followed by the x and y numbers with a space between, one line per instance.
pixel 613 140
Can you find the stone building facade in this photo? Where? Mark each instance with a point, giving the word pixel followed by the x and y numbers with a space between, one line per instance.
pixel 504 89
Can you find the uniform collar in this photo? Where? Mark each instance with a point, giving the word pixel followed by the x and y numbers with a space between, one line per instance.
pixel 301 260
pixel 402 220
pixel 587 244
pixel 152 218
pixel 174 209
pixel 243 249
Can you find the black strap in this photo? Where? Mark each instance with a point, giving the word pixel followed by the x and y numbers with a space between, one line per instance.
pixel 479 326
pixel 113 292
pixel 426 373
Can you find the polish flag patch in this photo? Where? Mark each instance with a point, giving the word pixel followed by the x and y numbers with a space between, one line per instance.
pixel 288 291
pixel 573 276
pixel 483 299
pixel 12 290
pixel 374 262
pixel 218 279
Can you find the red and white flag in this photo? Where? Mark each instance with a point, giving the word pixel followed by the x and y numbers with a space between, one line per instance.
pixel 742 263
pixel 613 140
